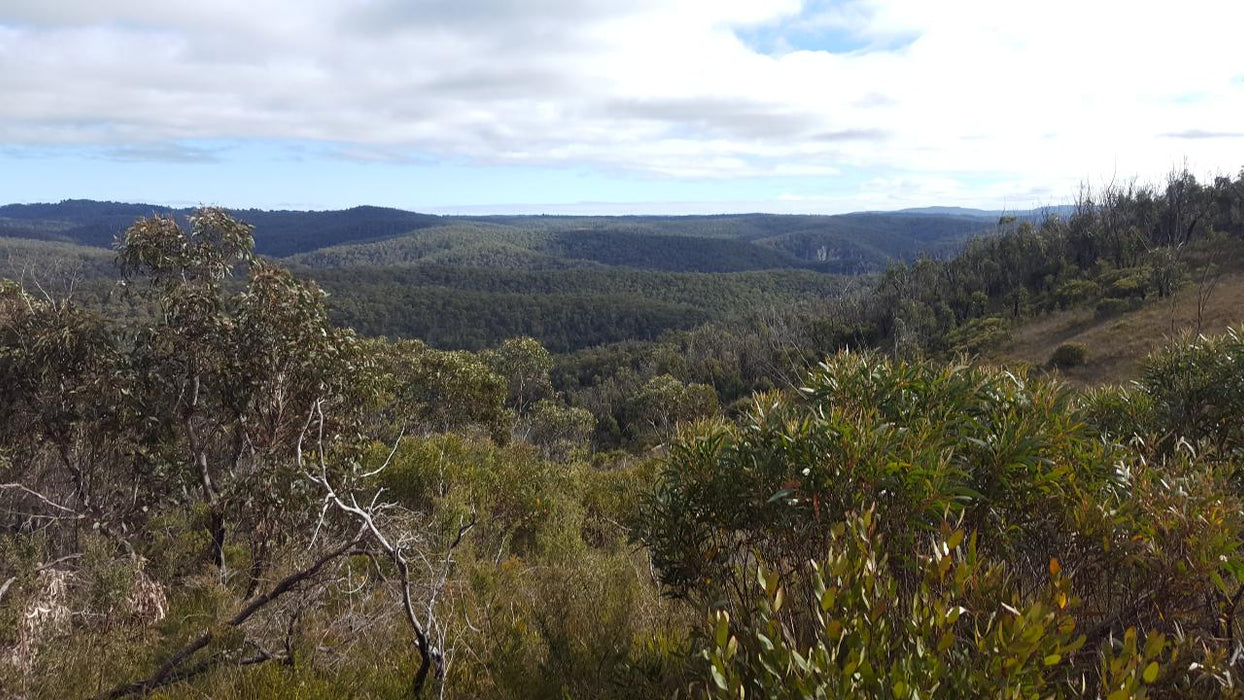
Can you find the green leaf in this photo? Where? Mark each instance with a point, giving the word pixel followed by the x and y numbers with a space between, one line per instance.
pixel 1235 567
pixel 723 628
pixel 1150 674
pixel 955 539
pixel 1153 644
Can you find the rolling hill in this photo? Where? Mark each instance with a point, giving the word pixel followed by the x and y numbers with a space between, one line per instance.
pixel 470 281
pixel 847 243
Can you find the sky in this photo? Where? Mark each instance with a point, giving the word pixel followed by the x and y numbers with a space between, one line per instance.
pixel 612 106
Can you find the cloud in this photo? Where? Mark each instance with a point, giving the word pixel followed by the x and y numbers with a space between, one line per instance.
pixel 162 152
pixel 1198 134
pixel 956 91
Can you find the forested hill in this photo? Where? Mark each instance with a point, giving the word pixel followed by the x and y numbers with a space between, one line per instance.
pixel 92 223
pixel 848 243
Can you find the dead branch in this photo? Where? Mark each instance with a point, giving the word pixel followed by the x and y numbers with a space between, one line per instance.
pixel 172 670
pixel 430 654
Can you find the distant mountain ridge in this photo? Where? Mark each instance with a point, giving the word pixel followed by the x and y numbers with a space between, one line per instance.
pixel 1034 213
pixel 844 243
pixel 278 233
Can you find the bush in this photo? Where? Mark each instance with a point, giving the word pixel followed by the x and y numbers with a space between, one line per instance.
pixel 915 445
pixel 917 439
pixel 965 631
pixel 1069 355
pixel 1076 291
pixel 1197 389
pixel 1108 308
pixel 979 334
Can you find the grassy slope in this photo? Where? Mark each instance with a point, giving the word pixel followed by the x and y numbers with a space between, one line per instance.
pixel 1117 344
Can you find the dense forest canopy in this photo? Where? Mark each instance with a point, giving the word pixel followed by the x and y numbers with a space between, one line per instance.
pixel 379 235
pixel 745 482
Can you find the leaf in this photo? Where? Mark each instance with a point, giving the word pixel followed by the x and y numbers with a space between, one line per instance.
pixel 1235 567
pixel 945 642
pixel 1153 644
pixel 1150 674
pixel 828 598
pixel 784 493
pixel 723 628
pixel 955 539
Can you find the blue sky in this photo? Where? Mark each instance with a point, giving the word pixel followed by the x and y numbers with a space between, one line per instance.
pixel 551 106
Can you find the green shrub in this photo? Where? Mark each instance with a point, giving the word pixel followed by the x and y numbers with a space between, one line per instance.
pixel 522 502
pixel 1076 291
pixel 917 439
pixel 979 334
pixel 1110 307
pixel 1197 389
pixel 1069 355
pixel 1118 412
pixel 1011 461
pixel 1128 287
pixel 959 628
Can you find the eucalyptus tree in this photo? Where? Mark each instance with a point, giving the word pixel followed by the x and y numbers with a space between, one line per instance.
pixel 226 432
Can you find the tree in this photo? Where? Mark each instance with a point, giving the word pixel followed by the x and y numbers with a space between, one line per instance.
pixel 664 402
pixel 524 364
pixel 238 411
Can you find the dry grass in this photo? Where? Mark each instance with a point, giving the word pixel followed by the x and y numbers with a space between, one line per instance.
pixel 1116 345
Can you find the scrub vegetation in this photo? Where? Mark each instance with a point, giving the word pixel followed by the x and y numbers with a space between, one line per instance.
pixel 748 481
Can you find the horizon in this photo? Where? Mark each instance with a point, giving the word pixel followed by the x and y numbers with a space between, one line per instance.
pixel 569 107
pixel 504 211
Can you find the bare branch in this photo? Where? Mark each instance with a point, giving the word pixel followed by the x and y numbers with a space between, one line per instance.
pixel 170 673
pixel 41 497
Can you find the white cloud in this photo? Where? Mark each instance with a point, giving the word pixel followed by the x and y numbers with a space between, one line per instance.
pixel 1032 96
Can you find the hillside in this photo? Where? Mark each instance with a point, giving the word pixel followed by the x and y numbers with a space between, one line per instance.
pixel 571 282
pixel 485 244
pixel 566 309
pixel 1118 344
pixel 53 261
pixel 91 223
pixel 848 243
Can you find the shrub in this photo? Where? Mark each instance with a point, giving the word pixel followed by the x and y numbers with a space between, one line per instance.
pixel 1197 388
pixel 1107 308
pixel 1076 291
pixel 1069 355
pixel 959 628
pixel 1011 462
pixel 979 334
pixel 917 439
